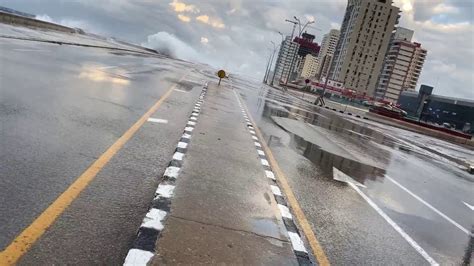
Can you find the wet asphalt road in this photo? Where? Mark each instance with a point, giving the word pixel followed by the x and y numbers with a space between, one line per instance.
pixel 308 142
pixel 61 107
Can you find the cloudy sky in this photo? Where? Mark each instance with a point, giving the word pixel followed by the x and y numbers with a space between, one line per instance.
pixel 236 34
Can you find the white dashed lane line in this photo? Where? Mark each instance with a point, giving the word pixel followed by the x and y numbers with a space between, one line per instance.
pixel 157 120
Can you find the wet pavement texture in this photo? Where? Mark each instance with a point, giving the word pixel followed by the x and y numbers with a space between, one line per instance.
pixel 61 107
pixel 308 141
pixel 223 211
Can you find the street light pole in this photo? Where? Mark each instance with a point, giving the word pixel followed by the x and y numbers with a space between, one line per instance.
pixel 282 37
pixel 269 63
pixel 326 78
pixel 266 69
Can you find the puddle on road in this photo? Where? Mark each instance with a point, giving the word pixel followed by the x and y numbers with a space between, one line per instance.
pixel 265 226
pixel 327 139
pixel 326 161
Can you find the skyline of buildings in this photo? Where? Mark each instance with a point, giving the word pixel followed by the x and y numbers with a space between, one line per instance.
pixel 356 55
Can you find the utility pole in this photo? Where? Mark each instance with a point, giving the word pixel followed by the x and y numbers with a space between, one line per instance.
pixel 291 40
pixel 270 68
pixel 294 27
pixel 326 78
pixel 265 77
pixel 270 62
pixel 275 71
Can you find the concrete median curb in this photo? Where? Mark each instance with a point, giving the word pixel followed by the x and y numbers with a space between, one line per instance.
pixel 296 240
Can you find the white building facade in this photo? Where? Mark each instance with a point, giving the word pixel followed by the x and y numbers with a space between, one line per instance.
pixel 328 47
pixel 286 60
pixel 402 66
pixel 310 66
pixel 365 35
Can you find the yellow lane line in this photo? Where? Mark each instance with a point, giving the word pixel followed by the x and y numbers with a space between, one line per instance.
pixel 23 242
pixel 318 251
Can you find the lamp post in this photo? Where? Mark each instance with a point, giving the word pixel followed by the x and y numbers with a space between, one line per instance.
pixel 282 36
pixel 266 69
pixel 270 62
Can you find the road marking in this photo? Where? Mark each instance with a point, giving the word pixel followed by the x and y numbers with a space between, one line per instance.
pixel 270 174
pixel 429 206
pixel 164 191
pixel 296 242
pixel 138 257
pixel 469 206
pixel 342 177
pixel 275 190
pixel 171 171
pixel 153 219
pixel 318 251
pixel 23 242
pixel 285 212
pixel 143 247
pixel 182 145
pixel 178 156
pixel 178 90
pixel 395 226
pixel 157 120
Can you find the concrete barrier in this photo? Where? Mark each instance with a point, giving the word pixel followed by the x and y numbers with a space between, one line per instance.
pixel 419 129
pixel 8 18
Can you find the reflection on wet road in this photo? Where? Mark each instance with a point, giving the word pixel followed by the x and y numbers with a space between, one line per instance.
pixel 422 192
pixel 59 111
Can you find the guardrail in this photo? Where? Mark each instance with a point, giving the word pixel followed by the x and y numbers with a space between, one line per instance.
pixel 13 19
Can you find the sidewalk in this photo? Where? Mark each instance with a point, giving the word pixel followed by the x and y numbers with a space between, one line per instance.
pixel 223 210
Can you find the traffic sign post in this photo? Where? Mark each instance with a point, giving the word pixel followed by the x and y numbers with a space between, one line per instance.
pixel 221 75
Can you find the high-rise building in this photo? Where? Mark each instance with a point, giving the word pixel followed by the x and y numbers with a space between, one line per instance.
pixel 310 63
pixel 328 47
pixel 286 60
pixel 307 46
pixel 365 34
pixel 402 66
pixel 403 34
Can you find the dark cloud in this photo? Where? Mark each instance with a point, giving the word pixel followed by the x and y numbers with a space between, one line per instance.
pixel 236 34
